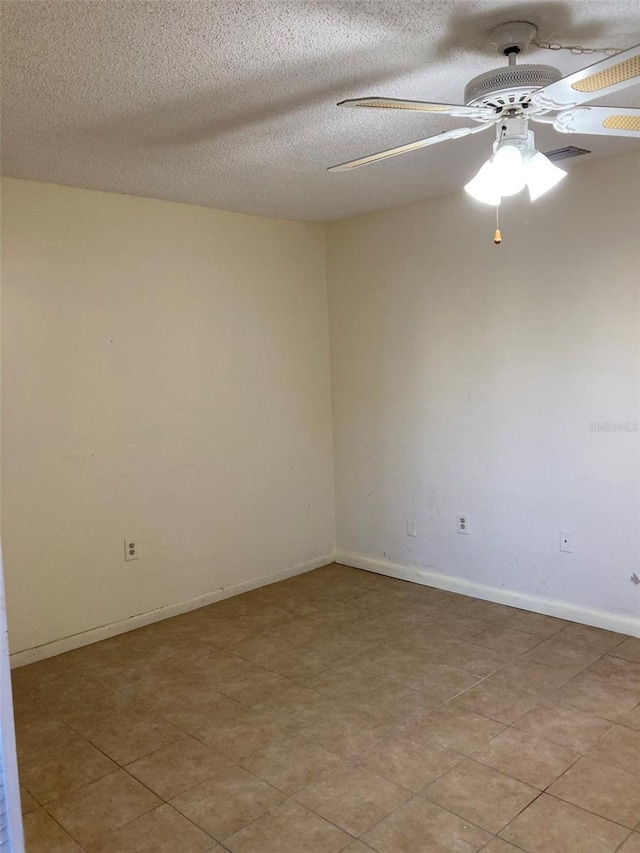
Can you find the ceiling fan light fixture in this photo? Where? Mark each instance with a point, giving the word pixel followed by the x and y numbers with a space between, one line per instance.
pixel 514 165
pixel 541 175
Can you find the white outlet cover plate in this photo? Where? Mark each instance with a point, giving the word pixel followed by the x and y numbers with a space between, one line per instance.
pixel 127 555
pixel 566 543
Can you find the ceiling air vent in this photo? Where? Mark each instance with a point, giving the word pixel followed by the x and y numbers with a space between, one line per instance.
pixel 565 153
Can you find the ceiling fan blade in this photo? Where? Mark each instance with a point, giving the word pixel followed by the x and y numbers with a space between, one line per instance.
pixel 602 78
pixel 418 106
pixel 607 121
pixel 456 133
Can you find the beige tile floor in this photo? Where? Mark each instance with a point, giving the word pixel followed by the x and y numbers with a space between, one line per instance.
pixel 336 711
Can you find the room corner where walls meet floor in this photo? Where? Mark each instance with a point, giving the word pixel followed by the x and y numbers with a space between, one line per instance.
pixel 326 387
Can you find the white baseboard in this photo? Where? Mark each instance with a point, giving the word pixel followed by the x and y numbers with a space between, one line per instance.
pixel 563 610
pixel 93 635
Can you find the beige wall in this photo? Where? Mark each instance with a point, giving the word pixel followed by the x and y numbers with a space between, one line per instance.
pixel 465 380
pixel 166 377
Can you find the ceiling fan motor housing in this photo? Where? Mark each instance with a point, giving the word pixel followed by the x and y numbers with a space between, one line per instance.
pixel 508 86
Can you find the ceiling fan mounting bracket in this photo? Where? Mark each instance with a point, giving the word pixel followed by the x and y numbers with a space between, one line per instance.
pixel 513 37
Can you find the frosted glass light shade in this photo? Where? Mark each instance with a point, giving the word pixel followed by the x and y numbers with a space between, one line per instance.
pixel 542 175
pixel 508 170
pixel 483 186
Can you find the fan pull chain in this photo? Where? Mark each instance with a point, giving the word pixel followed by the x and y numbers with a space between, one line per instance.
pixel 576 49
pixel 497 237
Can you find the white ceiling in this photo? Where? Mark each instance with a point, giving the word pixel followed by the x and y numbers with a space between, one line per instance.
pixel 232 104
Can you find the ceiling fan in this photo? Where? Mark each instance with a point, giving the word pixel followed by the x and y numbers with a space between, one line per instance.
pixel 507 98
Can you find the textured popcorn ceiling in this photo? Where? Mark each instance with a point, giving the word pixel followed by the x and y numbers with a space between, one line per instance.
pixel 232 104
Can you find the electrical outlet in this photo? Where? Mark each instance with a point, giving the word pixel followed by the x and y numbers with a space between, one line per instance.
pixel 412 529
pixel 463 523
pixel 565 542
pixel 130 549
